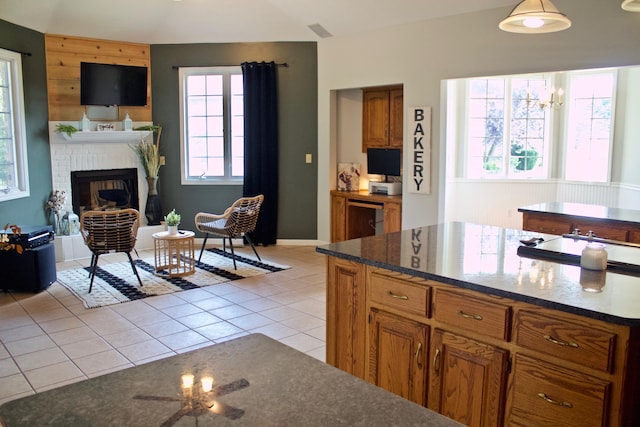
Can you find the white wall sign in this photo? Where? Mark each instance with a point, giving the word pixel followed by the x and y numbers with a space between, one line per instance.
pixel 419 172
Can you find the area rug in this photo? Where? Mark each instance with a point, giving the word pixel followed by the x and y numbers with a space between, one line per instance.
pixel 115 282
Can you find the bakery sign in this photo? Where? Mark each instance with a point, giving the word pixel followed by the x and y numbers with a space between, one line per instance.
pixel 419 152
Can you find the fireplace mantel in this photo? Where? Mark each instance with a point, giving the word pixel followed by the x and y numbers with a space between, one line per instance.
pixel 82 136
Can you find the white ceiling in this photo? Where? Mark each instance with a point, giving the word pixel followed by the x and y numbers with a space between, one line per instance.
pixel 218 21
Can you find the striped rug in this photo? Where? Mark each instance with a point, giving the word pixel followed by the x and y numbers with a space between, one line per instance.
pixel 115 282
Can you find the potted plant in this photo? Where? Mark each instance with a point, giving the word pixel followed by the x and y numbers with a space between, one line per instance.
pixel 68 129
pixel 149 151
pixel 173 220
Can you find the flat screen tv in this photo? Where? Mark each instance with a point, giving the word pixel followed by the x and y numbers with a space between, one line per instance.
pixel 109 85
pixel 384 161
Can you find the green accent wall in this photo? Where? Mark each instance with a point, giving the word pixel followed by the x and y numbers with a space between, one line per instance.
pixel 30 210
pixel 298 127
pixel 298 115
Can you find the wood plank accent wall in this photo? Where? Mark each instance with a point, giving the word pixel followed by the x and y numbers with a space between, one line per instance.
pixel 64 54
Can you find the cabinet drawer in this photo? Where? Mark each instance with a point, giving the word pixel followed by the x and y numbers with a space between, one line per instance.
pixel 482 317
pixel 400 294
pixel 544 223
pixel 576 343
pixel 548 395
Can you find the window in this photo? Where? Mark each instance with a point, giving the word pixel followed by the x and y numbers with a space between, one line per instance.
pixel 509 123
pixel 507 130
pixel 212 125
pixel 14 181
pixel 589 129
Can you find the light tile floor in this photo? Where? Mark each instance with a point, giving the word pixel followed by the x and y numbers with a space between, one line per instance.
pixel 49 339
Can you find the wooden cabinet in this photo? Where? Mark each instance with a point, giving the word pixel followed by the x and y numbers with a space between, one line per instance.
pixel 398 355
pixel 468 379
pixel 382 119
pixel 346 316
pixel 354 214
pixel 480 359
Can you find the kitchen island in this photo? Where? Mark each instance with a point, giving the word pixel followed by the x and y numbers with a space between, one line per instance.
pixel 453 317
pixel 249 381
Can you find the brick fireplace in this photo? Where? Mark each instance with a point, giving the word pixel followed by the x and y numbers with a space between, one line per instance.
pixel 95 151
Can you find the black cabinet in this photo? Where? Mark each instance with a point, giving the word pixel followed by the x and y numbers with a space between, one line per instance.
pixel 32 271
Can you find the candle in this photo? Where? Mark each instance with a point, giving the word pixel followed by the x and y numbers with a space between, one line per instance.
pixel 187 381
pixel 207 384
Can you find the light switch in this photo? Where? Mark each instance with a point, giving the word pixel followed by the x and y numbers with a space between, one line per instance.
pixel 308 158
pixel 162 160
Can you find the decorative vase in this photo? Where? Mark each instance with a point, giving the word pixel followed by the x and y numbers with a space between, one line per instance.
pixel 153 212
pixel 172 229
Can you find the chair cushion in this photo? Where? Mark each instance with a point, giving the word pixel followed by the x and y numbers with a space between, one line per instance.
pixel 214 226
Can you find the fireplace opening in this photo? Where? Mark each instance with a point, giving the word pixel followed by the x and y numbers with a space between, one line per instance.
pixel 104 189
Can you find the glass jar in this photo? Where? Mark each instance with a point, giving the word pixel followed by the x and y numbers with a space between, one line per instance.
pixel 594 257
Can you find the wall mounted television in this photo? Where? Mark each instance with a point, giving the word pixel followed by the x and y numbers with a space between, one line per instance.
pixel 113 85
pixel 384 161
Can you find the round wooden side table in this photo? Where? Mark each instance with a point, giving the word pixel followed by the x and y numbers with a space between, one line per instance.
pixel 174 255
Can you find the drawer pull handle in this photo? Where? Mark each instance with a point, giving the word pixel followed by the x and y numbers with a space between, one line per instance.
pixel 469 316
pixel 547 399
pixel 436 360
pixel 418 354
pixel 560 342
pixel 392 295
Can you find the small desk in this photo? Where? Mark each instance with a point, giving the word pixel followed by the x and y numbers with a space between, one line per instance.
pixel 353 214
pixel 256 382
pixel 174 256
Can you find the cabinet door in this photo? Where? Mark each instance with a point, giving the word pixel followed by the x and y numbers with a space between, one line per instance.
pixel 375 119
pixel 398 355
pixel 392 217
pixel 468 380
pixel 338 219
pixel 396 125
pixel 346 316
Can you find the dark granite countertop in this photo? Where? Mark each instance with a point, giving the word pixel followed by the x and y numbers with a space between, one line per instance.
pixel 585 211
pixel 257 382
pixel 486 259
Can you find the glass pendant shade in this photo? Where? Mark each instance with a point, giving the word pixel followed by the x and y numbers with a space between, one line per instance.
pixel 535 16
pixel 631 5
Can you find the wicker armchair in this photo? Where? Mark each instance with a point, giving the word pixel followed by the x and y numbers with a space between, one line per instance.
pixel 110 231
pixel 237 221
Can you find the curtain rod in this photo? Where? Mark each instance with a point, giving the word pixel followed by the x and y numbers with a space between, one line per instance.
pixel 18 51
pixel 175 67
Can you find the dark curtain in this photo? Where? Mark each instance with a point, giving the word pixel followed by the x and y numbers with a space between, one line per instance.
pixel 261 145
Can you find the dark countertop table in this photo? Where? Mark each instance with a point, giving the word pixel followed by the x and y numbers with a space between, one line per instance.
pixel 257 382
pixel 486 259
pixel 584 211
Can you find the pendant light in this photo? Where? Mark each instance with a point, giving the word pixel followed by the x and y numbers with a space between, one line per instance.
pixel 631 5
pixel 535 16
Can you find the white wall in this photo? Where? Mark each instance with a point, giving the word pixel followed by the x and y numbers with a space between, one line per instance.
pixel 421 55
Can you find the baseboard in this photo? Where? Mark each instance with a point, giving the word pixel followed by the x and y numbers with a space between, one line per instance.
pixel 69 248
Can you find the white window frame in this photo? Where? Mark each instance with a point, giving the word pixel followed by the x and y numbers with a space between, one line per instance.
pixel 506 173
pixel 226 72
pixel 569 132
pixel 20 187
